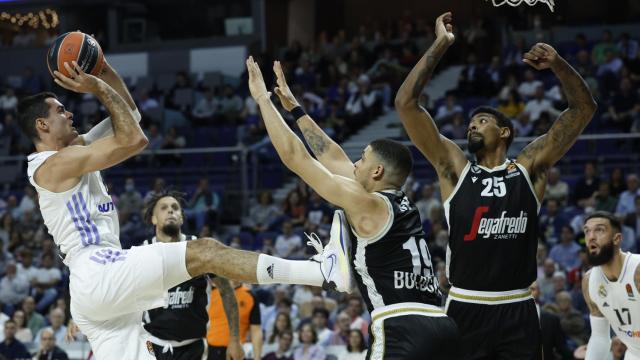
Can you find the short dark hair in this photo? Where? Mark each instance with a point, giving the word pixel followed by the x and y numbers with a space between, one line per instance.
pixel 29 109
pixel 323 312
pixel 501 119
pixel 395 155
pixel 153 201
pixel 613 221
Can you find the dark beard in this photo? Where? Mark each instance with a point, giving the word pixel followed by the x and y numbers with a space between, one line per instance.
pixel 605 255
pixel 475 145
pixel 171 230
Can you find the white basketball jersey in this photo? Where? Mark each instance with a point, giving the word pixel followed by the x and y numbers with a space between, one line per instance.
pixel 619 301
pixel 82 216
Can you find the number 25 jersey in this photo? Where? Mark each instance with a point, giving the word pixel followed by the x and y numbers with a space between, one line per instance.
pixel 493 228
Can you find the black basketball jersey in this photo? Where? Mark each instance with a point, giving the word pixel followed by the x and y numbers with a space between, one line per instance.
pixel 185 316
pixel 493 229
pixel 395 266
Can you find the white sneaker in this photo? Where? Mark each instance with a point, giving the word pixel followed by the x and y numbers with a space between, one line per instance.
pixel 334 258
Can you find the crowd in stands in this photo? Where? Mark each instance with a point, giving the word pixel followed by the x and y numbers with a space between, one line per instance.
pixel 343 82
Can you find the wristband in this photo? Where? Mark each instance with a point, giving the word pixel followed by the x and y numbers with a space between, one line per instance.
pixel 297 112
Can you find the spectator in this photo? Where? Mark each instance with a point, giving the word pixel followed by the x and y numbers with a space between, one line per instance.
pixel 571 321
pixel 231 105
pixel 281 303
pixel 206 108
pixel 57 328
pixel 295 208
pixel 308 349
pixel 281 325
pixel 155 138
pixel 472 78
pixel 428 202
pixel 28 201
pixel 203 206
pixel 173 141
pixel 317 210
pixel 600 49
pixel 554 341
pixel 12 348
pixel 626 203
pixel 624 107
pixel 340 335
pixel 356 348
pixel 46 281
pixel 35 321
pixel 48 349
pixel 604 200
pixel 360 105
pixel 130 200
pixel 541 256
pixel 283 352
pixel 263 214
pixel 14 287
pixel 158 187
pixel 8 101
pixel 556 188
pixel 545 283
pixel 550 222
pixel 31 83
pixel 182 82
pixel 456 129
pixel 512 106
pixel 355 310
pixel 23 333
pixel 611 65
pixel 320 320
pixel 448 109
pixel 25 267
pixel 530 85
pixel 617 182
pixel 627 47
pixel 288 244
pixel 147 102
pixel 565 253
pixel 587 185
pixel 536 106
pixel 631 220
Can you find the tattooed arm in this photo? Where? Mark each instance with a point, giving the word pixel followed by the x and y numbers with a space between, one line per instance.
pixel 230 304
pixel 327 151
pixel 63 170
pixel 546 150
pixel 445 156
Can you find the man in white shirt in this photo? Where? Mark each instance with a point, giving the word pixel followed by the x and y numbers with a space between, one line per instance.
pixel 8 101
pixel 626 203
pixel 46 280
pixel 530 85
pixel 206 107
pixel 288 244
pixel 556 188
pixel 14 287
pixel 538 105
pixel 26 267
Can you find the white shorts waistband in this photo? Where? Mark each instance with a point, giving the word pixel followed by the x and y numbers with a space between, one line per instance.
pixel 489 297
pixel 406 308
pixel 168 345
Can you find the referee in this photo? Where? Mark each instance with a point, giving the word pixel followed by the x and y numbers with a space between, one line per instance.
pixel 177 331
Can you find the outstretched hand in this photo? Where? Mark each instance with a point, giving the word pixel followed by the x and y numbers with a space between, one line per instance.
pixel 78 80
pixel 257 87
pixel 282 90
pixel 541 56
pixel 444 28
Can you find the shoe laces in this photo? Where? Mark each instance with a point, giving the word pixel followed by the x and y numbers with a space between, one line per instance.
pixel 314 241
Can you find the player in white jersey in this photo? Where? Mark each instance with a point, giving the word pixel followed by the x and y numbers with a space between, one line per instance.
pixel 111 287
pixel 611 288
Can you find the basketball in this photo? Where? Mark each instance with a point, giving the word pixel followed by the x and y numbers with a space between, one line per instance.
pixel 75 46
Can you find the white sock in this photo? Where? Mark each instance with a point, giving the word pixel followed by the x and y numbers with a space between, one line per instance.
pixel 273 270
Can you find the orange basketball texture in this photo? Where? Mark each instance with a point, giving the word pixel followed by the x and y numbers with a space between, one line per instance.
pixel 77 46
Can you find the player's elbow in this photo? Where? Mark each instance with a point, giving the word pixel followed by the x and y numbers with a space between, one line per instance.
pixel 403 101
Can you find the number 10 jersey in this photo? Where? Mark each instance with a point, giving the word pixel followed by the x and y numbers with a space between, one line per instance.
pixel 395 265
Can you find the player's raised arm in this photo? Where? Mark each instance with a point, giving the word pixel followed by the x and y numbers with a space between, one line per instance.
pixel 104 128
pixel 127 140
pixel 546 150
pixel 327 151
pixel 599 341
pixel 447 158
pixel 338 190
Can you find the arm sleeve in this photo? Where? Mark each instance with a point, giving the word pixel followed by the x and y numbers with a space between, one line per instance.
pixel 599 342
pixel 104 128
pixel 254 316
